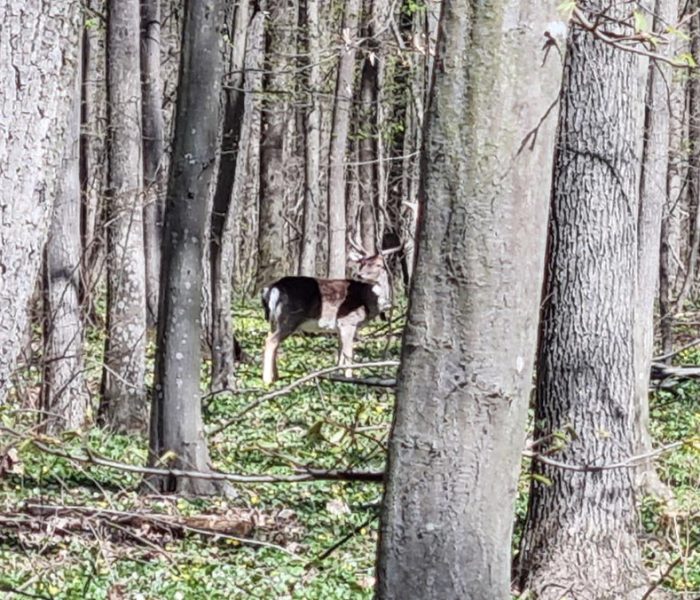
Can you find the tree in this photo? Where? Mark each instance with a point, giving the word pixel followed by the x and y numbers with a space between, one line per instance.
pixel 153 144
pixel 223 344
pixel 337 226
pixel 176 410
pixel 312 139
pixel 36 72
pixel 64 397
pixel 464 381
pixel 652 199
pixel 580 537
pixel 273 248
pixel 123 380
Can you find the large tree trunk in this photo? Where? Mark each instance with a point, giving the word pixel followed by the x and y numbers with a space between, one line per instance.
pixel 469 344
pixel 337 226
pixel 652 199
pixel 312 139
pixel 153 143
pixel 221 241
pixel 64 396
pixel 123 381
pixel 38 59
pixel 273 249
pixel 176 410
pixel 580 538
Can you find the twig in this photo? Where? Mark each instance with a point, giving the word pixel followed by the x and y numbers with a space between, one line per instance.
pixel 11 590
pixel 667 571
pixel 326 553
pixel 608 38
pixel 695 342
pixel 629 463
pixel 297 383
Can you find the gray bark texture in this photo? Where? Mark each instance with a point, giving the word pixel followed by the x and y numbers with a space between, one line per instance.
pixel 221 243
pixel 124 405
pixel 273 247
pixel 38 61
pixel 312 138
pixel 580 538
pixel 241 222
pixel 176 410
pixel 93 153
pixel 64 395
pixel 153 147
pixel 469 343
pixel 337 226
pixel 652 199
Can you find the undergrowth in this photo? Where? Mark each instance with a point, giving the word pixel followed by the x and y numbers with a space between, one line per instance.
pixel 308 540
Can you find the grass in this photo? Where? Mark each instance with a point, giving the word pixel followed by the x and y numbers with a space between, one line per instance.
pixel 325 424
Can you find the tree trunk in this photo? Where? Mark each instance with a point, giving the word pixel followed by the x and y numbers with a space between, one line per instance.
pixel 580 537
pixel 367 144
pixel 38 60
pixel 123 405
pixel 241 222
pixel 693 175
pixel 64 396
pixel 273 250
pixel 176 410
pixel 337 226
pixel 93 155
pixel 312 164
pixel 153 143
pixel 469 343
pixel 652 199
pixel 221 243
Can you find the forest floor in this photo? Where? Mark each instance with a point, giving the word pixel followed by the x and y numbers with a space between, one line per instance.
pixel 76 530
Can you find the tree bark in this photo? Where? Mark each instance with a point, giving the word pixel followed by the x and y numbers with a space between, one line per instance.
pixel 221 243
pixel 241 223
pixel 176 410
pixel 337 226
pixel 153 146
pixel 580 537
pixel 38 59
pixel 273 250
pixel 459 425
pixel 652 199
pixel 64 396
pixel 93 155
pixel 312 139
pixel 123 405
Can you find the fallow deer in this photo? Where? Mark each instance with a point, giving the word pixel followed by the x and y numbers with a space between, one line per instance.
pixel 327 305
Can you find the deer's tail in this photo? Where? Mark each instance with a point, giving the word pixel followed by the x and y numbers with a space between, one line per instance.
pixel 270 297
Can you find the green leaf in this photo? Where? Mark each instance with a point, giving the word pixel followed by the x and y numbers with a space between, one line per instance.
pixel 567 8
pixel 641 23
pixel 541 478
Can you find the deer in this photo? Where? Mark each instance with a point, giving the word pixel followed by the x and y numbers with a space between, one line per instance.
pixel 341 306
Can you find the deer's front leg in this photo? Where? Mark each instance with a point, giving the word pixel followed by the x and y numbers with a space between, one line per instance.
pixel 272 344
pixel 347 337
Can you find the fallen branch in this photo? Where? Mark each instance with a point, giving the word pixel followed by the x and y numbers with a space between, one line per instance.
pixel 661 371
pixel 370 381
pixel 295 384
pixel 218 526
pixel 304 474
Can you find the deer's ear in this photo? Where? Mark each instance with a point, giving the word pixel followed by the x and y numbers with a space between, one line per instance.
pixel 355 256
